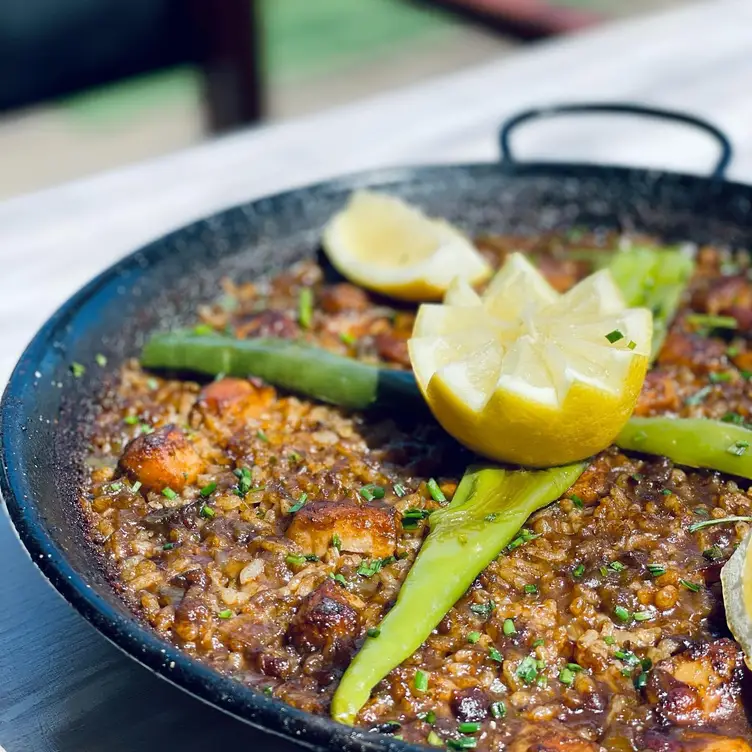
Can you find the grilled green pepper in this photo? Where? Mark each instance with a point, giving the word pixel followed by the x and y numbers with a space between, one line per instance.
pixel 489 507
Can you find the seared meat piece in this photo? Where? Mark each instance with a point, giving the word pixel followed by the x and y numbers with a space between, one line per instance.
pixel 470 704
pixel 659 394
pixel 561 273
pixel 343 297
pixel 701 354
pixel 366 529
pixel 727 296
pixel 593 483
pixel 687 741
pixel 268 324
pixel 393 347
pixel 699 686
pixel 327 622
pixel 547 738
pixel 163 459
pixel 235 400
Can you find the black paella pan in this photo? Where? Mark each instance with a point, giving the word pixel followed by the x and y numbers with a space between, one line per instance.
pixel 43 408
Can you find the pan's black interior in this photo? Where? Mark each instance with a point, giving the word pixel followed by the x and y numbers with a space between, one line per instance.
pixel 44 409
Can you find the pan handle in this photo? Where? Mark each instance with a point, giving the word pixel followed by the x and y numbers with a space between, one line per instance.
pixel 539 113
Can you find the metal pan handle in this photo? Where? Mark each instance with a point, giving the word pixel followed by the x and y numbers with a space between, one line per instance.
pixel 540 113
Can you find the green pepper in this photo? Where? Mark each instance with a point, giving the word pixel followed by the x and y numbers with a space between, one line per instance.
pixel 489 507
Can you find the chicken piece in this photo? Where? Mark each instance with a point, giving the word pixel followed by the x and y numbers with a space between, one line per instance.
pixel 235 400
pixel 162 459
pixel 727 296
pixel 687 741
pixel 328 622
pixel 268 324
pixel 698 353
pixel 659 394
pixel 701 685
pixel 366 529
pixel 550 739
pixel 343 297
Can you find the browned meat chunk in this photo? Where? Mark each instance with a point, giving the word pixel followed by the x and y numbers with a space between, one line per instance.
pixel 546 738
pixel 687 741
pixel 701 354
pixel 328 622
pixel 470 704
pixel 659 394
pixel 393 347
pixel 562 273
pixel 343 297
pixel 727 296
pixel 163 459
pixel 699 686
pixel 367 529
pixel 593 483
pixel 237 400
pixel 268 324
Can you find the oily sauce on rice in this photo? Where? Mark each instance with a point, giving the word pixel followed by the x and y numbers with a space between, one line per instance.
pixel 265 535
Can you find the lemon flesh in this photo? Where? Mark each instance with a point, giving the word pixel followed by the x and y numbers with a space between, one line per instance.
pixel 526 375
pixel 736 579
pixel 386 245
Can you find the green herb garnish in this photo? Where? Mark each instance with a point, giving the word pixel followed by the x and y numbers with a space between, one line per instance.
pixel 694 527
pixel 371 491
pixel 208 489
pixel 77 370
pixel 621 614
pixel 421 681
pixel 305 307
pixel 100 360
pixel 168 493
pixel 299 504
pixel 436 493
pixel 691 586
pixel 614 336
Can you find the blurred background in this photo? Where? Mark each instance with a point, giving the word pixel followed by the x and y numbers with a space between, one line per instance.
pixel 88 85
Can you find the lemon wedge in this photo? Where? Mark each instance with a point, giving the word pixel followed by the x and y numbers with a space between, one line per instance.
pixel 386 245
pixel 736 579
pixel 526 375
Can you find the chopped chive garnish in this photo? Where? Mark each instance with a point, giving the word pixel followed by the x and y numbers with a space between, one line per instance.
pixel 371 491
pixel 617 566
pixel 614 336
pixel 626 672
pixel 225 613
pixel 691 586
pixel 347 339
pixel 131 420
pixel 531 589
pixel 116 487
pixel 498 709
pixel 538 643
pixel 609 640
pixel 428 717
pixel 434 739
pixel 578 571
pixel 399 490
pixel 735 418
pixel 656 570
pixel 207 512
pixel 667 492
pixel 527 670
pixel 311 557
pixel 421 681
pixel 641 680
pixel 642 615
pixel 101 360
pixel 370 568
pixel 627 656
pixel 700 511
pixel 738 448
pixel 714 553
pixel 168 546
pixel 296 559
pixel 746 375
pixel 469 727
pixel 299 504
pixel 336 541
pixel 509 629
pixel 524 536
pixel 495 655
pixel 262 436
pixel 483 609
pixel 201 330
pixel 152 384
pixel 340 578
pixel 245 481
pixel 577 501
pixel 473 637
pixel 464 742
pixel 574 667
pixel 436 493
pixel 77 370
pixel 709 321
pixel 699 396
pixel 621 613
pixel 694 527
pixel 208 489
pixel 268 691
pixel 168 493
pixel 305 307
pixel 136 487
pixel 491 517
pixel 566 677
pixel 631 344
pixel 732 351
pixel 603 570
pixel 719 377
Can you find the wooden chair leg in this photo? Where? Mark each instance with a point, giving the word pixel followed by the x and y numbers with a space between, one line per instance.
pixel 227 40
